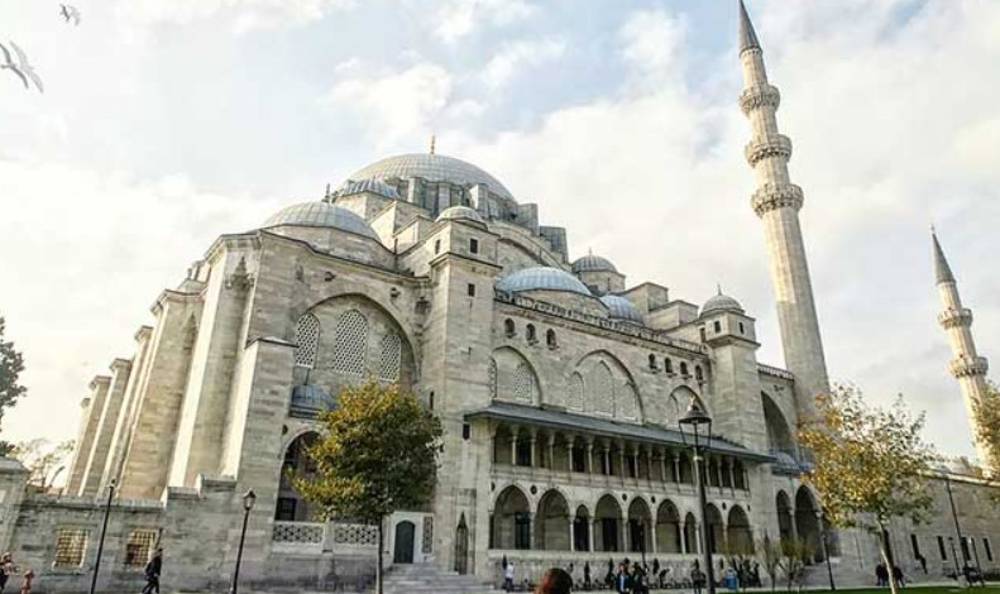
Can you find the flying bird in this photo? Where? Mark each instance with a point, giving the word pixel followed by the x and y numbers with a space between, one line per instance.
pixel 26 68
pixel 70 13
pixel 10 65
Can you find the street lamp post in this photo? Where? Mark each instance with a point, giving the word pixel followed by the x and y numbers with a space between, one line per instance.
pixel 824 534
pixel 958 528
pixel 100 544
pixel 693 421
pixel 249 498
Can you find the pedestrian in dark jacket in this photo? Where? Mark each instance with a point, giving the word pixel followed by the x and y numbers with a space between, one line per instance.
pixel 153 569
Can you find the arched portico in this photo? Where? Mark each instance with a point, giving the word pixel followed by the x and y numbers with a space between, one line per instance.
pixel 640 531
pixel 552 523
pixel 290 506
pixel 739 535
pixel 668 528
pixel 807 514
pixel 607 525
pixel 512 520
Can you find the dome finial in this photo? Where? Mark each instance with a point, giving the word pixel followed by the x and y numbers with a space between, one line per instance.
pixel 718 288
pixel 433 142
pixel 326 195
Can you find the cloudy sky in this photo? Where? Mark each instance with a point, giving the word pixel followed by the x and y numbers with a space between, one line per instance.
pixel 165 123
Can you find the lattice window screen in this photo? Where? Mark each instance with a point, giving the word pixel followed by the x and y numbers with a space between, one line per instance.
pixel 71 544
pixel 307 337
pixel 601 396
pixel 575 400
pixel 139 546
pixel 524 386
pixel 389 357
pixel 492 376
pixel 427 546
pixel 628 402
pixel 351 343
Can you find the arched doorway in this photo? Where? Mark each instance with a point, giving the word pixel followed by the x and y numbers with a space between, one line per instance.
pixel 552 522
pixel 691 534
pixel 640 533
pixel 607 531
pixel 779 437
pixel 784 509
pixel 668 528
pixel 403 549
pixel 290 506
pixel 581 530
pixel 716 536
pixel 512 520
pixel 738 532
pixel 462 547
pixel 807 523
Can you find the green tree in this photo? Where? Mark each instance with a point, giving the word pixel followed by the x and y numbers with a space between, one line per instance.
pixel 11 366
pixel 987 413
pixel 377 453
pixel 769 553
pixel 43 460
pixel 871 464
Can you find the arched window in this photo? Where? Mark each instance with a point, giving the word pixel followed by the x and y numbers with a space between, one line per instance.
pixel 668 365
pixel 717 326
pixel 576 397
pixel 492 377
pixel 550 338
pixel 684 369
pixel 307 339
pixel 601 395
pixel 508 327
pixel 698 374
pixel 652 362
pixel 524 385
pixel 389 357
pixel 530 334
pixel 290 506
pixel 351 343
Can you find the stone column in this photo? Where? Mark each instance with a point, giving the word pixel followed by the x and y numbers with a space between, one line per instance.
pixel 607 458
pixel 662 456
pixel 534 442
pixel 732 476
pixel 590 455
pixel 572 533
pixel 552 451
pixel 677 467
pixel 513 445
pixel 621 459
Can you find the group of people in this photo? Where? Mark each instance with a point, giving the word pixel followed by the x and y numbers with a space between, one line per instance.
pixel 8 570
pixel 882 576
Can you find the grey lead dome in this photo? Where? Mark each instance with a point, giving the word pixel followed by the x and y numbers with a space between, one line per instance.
pixel 320 214
pixel 461 213
pixel 542 278
pixel 431 167
pixel 592 263
pixel 621 308
pixel 721 302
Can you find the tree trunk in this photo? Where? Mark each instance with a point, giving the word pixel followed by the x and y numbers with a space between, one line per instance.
pixel 378 564
pixel 884 551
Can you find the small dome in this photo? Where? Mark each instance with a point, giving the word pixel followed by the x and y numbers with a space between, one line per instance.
pixel 320 214
pixel 721 302
pixel 542 278
pixel 375 186
pixel 621 308
pixel 433 168
pixel 592 263
pixel 461 213
pixel 309 399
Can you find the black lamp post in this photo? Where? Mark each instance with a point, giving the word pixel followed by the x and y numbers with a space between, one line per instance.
pixel 696 426
pixel 104 529
pixel 958 529
pixel 249 498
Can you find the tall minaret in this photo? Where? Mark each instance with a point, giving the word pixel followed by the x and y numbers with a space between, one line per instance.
pixel 967 366
pixel 777 202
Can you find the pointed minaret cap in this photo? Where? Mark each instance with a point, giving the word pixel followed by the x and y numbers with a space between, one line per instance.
pixel 942 272
pixel 748 37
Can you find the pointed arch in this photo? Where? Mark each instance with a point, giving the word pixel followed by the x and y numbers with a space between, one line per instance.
pixel 511 519
pixel 307 340
pixel 552 522
pixel 611 389
pixel 668 528
pixel 683 396
pixel 739 535
pixel 516 379
pixel 290 506
pixel 607 527
pixel 783 507
pixel 575 401
pixel 779 436
pixel 350 345
pixel 640 520
pixel 716 530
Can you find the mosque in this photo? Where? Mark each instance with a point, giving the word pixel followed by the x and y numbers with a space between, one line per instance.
pixel 558 382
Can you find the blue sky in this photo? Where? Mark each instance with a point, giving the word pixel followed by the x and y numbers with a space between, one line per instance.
pixel 168 122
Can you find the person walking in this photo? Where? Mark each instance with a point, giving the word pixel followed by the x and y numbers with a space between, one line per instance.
pixel 555 581
pixel 697 578
pixel 897 574
pixel 508 576
pixel 7 569
pixel 586 575
pixel 881 576
pixel 152 572
pixel 26 584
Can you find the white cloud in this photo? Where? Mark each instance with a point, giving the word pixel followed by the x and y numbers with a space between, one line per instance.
pixel 653 42
pixel 246 14
pixel 456 19
pixel 394 105
pixel 518 57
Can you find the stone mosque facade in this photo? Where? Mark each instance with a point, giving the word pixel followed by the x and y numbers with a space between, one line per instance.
pixel 559 384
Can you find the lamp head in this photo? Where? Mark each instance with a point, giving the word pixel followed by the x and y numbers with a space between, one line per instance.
pixel 249 499
pixel 694 420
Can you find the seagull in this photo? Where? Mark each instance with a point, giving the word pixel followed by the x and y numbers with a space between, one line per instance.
pixel 27 68
pixel 10 65
pixel 70 13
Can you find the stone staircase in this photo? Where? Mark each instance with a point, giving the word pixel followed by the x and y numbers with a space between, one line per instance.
pixel 427 578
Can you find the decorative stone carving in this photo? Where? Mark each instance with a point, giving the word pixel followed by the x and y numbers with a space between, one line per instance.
pixel 775 146
pixel 759 95
pixel 771 196
pixel 950 318
pixel 968 366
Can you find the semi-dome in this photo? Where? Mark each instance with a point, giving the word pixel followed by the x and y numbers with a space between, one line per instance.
pixel 432 167
pixel 309 400
pixel 592 263
pixel 461 213
pixel 621 308
pixel 542 278
pixel 374 186
pixel 721 302
pixel 320 214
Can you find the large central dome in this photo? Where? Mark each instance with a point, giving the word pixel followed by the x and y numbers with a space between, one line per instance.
pixel 431 167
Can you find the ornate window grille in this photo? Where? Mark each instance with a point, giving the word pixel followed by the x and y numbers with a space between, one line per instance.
pixel 71 544
pixel 307 337
pixel 139 546
pixel 492 376
pixel 351 343
pixel 524 386
pixel 389 357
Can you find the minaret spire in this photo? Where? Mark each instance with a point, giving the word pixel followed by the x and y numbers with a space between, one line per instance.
pixel 777 202
pixel 967 367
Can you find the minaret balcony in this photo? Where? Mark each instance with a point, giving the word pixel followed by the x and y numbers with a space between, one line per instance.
pixel 775 146
pixel 951 318
pixel 759 96
pixel 968 366
pixel 771 196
